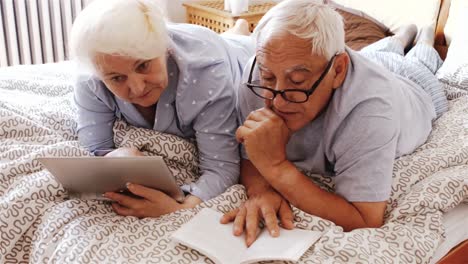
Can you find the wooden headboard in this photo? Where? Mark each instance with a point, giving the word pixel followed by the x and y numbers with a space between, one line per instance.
pixel 440 44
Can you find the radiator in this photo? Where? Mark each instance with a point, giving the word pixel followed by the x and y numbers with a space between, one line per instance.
pixel 36 31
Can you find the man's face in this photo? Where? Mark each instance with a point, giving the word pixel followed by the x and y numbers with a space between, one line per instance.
pixel 139 82
pixel 285 62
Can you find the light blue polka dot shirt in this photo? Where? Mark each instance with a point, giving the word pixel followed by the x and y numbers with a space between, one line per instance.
pixel 203 70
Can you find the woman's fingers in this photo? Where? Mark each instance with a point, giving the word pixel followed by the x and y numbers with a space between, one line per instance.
pixel 144 192
pixel 121 210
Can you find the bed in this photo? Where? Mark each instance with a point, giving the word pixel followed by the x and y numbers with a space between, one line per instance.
pixel 425 217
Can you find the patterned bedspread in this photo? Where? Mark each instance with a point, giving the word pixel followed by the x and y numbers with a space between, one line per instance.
pixel 39 223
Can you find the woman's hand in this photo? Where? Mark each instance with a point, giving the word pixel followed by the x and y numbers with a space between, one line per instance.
pixel 125 152
pixel 153 203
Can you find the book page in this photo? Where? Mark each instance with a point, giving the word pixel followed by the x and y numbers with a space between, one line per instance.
pixel 290 245
pixel 206 234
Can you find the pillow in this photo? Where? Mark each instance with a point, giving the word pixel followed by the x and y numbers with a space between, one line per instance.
pixel 396 13
pixel 360 30
pixel 455 13
pixel 454 71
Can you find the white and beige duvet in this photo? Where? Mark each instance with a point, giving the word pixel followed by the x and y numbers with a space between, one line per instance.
pixel 39 223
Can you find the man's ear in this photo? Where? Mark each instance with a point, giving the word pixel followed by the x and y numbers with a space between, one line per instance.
pixel 340 66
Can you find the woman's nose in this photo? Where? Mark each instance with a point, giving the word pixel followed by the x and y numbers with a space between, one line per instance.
pixel 137 85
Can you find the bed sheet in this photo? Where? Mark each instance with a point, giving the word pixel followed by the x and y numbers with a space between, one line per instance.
pixel 39 223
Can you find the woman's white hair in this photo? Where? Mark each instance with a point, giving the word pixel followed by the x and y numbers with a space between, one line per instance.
pixel 133 28
pixel 307 19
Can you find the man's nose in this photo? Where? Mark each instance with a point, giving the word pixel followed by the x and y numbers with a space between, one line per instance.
pixel 279 101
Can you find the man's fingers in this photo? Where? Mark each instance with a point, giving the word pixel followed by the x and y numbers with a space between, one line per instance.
pixel 251 226
pixel 286 215
pixel 241 132
pixel 239 222
pixel 271 221
pixel 257 115
pixel 251 124
pixel 267 112
pixel 229 216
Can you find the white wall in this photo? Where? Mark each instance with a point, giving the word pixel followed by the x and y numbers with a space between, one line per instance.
pixel 175 9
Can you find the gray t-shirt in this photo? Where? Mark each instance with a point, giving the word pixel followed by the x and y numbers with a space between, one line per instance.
pixel 199 103
pixel 373 118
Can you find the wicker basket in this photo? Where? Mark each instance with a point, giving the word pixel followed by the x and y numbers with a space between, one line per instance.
pixel 211 14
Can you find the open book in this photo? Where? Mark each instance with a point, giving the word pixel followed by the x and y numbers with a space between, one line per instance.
pixel 216 241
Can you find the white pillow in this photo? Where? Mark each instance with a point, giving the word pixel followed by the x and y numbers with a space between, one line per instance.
pixel 396 13
pixel 455 13
pixel 454 71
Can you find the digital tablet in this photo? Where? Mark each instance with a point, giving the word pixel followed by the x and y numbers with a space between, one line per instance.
pixel 90 177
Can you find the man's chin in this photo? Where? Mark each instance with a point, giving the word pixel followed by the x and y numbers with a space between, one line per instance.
pixel 296 124
pixel 292 125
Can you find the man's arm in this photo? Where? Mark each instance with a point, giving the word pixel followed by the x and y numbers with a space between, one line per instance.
pixel 301 192
pixel 252 180
pixel 265 135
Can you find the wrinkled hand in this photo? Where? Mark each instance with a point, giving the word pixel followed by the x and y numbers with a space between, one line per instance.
pixel 266 206
pixel 264 135
pixel 125 152
pixel 153 203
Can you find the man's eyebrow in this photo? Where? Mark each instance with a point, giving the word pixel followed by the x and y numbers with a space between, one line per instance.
pixel 302 68
pixel 262 67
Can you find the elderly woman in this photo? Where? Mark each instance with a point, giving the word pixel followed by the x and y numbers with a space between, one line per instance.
pixel 312 104
pixel 176 79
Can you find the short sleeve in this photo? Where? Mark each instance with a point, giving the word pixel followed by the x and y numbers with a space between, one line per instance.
pixel 364 151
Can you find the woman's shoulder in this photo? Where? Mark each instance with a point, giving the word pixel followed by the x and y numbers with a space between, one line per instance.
pixel 88 84
pixel 186 30
pixel 196 46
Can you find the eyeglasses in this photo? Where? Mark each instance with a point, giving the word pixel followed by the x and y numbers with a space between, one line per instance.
pixel 290 95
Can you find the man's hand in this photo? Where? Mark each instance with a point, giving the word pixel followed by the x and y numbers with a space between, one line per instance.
pixel 125 152
pixel 153 203
pixel 264 135
pixel 266 206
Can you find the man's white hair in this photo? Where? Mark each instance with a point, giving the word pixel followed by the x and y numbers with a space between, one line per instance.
pixel 307 19
pixel 133 28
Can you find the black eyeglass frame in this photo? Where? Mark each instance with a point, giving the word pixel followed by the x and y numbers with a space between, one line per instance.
pixel 308 92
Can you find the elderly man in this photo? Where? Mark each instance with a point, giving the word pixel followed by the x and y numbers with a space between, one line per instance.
pixel 312 104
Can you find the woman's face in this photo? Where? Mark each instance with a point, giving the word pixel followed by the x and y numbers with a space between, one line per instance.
pixel 139 82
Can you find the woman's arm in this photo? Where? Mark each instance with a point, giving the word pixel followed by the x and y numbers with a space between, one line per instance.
pixel 95 116
pixel 210 109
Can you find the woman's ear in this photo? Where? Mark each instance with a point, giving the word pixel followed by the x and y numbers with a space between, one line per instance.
pixel 341 69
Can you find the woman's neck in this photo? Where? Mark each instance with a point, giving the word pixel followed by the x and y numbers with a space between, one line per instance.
pixel 147 112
